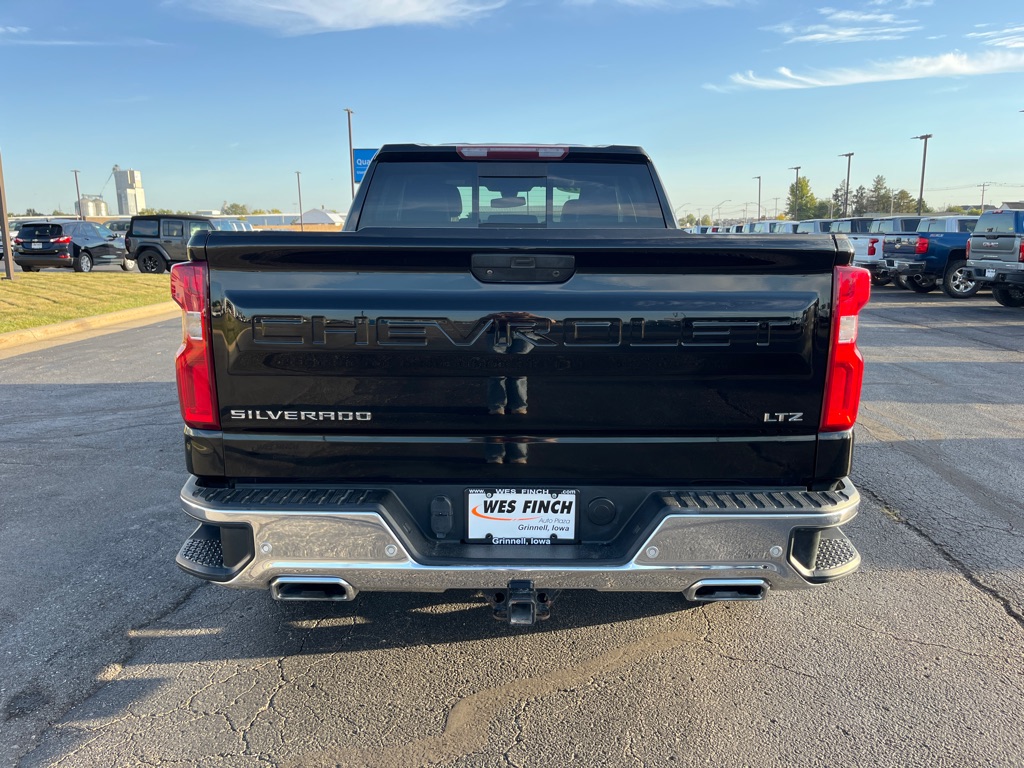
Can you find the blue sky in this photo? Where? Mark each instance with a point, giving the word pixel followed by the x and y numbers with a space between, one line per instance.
pixel 216 100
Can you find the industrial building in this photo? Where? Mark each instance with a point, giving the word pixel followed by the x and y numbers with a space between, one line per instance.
pixel 131 198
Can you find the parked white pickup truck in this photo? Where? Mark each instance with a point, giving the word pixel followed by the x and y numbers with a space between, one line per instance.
pixel 866 234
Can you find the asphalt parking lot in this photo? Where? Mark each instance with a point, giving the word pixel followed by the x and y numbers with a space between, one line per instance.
pixel 113 657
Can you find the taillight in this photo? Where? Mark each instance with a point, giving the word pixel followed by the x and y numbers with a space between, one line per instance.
pixel 850 293
pixel 968 247
pixel 18 241
pixel 871 246
pixel 922 245
pixel 66 239
pixel 197 393
pixel 1020 251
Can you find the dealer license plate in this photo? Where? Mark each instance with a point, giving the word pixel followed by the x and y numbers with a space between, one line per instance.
pixel 522 516
pixel 990 273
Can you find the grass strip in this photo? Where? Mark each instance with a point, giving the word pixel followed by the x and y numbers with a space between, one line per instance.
pixel 41 298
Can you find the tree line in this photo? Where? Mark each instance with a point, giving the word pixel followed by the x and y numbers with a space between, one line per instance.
pixel 879 198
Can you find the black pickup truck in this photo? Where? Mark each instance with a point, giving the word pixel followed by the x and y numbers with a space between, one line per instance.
pixel 512 373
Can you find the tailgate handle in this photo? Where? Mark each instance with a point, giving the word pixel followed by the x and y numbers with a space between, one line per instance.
pixel 515 268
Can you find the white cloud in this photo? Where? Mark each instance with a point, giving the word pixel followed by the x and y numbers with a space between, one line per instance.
pixel 821 33
pixel 953 64
pixel 1011 37
pixel 905 5
pixel 302 17
pixel 13 30
pixel 846 26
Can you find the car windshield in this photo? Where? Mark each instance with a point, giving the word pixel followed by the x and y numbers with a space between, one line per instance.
pixel 105 231
pixel 223 225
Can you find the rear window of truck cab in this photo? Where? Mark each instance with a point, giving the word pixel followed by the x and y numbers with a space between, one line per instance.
pixel 998 223
pixel 494 194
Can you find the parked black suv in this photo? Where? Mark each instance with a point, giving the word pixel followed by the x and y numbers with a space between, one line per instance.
pixel 995 255
pixel 158 241
pixel 68 243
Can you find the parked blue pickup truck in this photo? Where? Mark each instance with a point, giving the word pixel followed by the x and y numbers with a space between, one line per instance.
pixel 935 255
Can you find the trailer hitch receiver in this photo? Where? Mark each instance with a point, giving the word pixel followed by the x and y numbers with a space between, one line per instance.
pixel 521 605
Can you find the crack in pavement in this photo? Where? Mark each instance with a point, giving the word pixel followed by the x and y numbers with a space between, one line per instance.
pixel 465 730
pixel 947 556
pixel 134 645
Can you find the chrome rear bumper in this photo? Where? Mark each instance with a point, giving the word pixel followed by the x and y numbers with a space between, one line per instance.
pixel 776 536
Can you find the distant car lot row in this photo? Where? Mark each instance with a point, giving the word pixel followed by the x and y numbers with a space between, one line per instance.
pixel 958 253
pixel 151 242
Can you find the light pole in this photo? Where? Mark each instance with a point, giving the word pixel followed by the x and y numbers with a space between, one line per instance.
pixel 749 202
pixel 719 207
pixel 78 196
pixel 758 197
pixel 924 159
pixel 5 224
pixel 675 211
pixel 846 195
pixel 298 180
pixel 796 189
pixel 351 153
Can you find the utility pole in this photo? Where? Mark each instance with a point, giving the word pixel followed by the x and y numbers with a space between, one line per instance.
pixel 351 153
pixel 5 231
pixel 846 196
pixel 298 180
pixel 78 196
pixel 758 197
pixel 796 189
pixel 924 160
pixel 776 207
pixel 984 186
pixel 892 200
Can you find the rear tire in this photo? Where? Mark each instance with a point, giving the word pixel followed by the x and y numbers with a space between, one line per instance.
pixel 921 284
pixel 1009 297
pixel 151 262
pixel 30 269
pixel 959 282
pixel 879 280
pixel 82 262
pixel 128 265
pixel 900 281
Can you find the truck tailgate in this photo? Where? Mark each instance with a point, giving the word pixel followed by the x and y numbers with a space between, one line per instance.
pixel 687 358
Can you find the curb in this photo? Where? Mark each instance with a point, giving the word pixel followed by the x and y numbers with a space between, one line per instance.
pixel 151 313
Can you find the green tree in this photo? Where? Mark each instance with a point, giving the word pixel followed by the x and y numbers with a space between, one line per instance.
pixel 234 209
pixel 904 202
pixel 29 212
pixel 805 203
pixel 257 212
pixel 156 212
pixel 705 220
pixel 59 212
pixel 879 196
pixel 275 210
pixel 859 201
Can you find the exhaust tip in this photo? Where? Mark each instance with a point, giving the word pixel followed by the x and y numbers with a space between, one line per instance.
pixel 714 590
pixel 306 588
